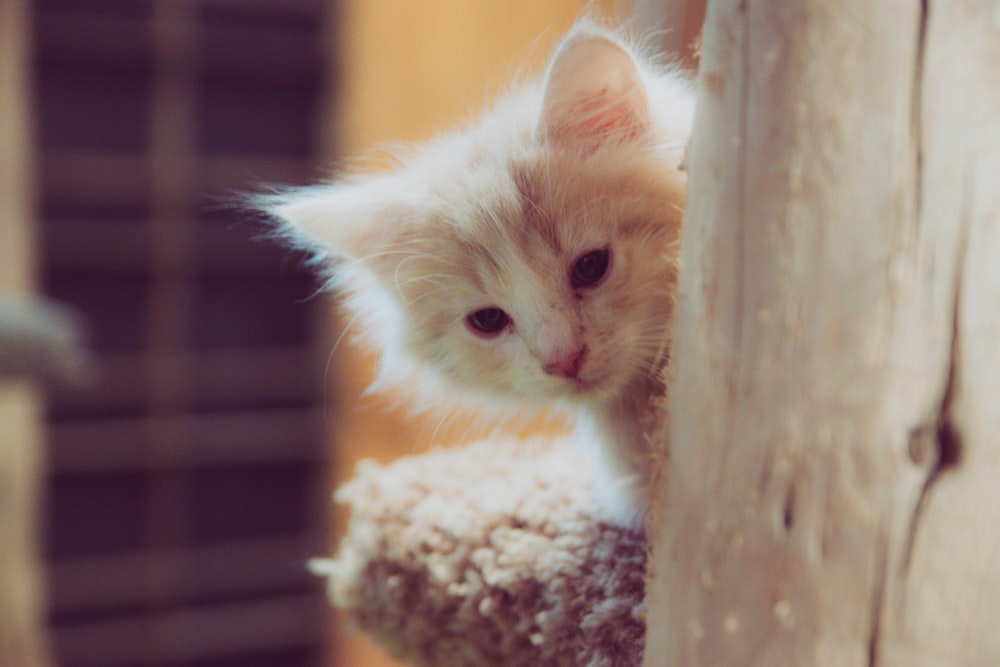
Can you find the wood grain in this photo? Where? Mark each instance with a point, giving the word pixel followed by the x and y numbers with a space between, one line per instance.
pixel 827 500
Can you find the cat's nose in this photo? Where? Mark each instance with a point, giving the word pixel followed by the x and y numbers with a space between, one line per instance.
pixel 568 366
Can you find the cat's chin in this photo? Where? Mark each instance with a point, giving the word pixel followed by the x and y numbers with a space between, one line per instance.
pixel 590 390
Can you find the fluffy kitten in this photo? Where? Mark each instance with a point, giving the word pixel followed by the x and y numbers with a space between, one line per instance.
pixel 529 259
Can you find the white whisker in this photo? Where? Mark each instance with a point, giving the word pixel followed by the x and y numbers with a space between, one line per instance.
pixel 329 362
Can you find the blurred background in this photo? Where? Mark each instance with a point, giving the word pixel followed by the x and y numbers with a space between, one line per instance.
pixel 163 515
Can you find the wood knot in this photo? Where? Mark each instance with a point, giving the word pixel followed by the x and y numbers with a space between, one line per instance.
pixel 921 445
pixel 938 446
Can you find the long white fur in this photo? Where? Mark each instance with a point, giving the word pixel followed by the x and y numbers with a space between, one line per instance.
pixel 418 248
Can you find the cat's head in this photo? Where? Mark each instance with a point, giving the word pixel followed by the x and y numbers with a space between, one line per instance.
pixel 532 255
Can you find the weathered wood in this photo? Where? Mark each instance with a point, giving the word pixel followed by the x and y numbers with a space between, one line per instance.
pixel 943 602
pixel 833 438
pixel 679 23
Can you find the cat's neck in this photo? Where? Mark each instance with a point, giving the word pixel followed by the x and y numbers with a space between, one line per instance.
pixel 629 414
pixel 621 429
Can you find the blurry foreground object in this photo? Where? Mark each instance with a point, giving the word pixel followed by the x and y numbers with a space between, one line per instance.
pixel 23 640
pixel 38 339
pixel 489 555
pixel 41 339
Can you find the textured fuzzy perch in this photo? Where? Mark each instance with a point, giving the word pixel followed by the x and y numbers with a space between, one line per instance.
pixel 490 555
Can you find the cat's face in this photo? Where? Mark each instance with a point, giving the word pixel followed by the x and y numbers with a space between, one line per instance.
pixel 534 254
pixel 545 277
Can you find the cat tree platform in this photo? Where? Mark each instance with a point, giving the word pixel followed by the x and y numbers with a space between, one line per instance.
pixel 490 555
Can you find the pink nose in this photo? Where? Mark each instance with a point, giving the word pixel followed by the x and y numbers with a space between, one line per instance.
pixel 568 366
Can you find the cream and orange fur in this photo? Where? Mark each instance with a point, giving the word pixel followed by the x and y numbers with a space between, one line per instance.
pixel 465 262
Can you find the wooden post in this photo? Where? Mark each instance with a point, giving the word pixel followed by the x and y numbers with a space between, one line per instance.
pixel 832 495
pixel 22 639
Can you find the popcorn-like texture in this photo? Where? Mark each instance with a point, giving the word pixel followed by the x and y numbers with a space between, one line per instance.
pixel 493 554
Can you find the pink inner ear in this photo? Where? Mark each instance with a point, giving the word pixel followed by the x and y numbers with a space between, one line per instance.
pixel 597 118
pixel 594 95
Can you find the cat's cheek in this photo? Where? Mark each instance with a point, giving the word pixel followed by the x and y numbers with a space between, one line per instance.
pixel 613 355
pixel 523 376
pixel 474 362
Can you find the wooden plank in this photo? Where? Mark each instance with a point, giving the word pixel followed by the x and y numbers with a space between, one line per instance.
pixel 111 582
pixel 125 249
pixel 302 8
pixel 108 41
pixel 223 377
pixel 171 306
pixel 190 634
pixel 814 512
pixel 90 176
pixel 237 173
pixel 263 52
pixel 177 384
pixel 230 438
pixel 95 177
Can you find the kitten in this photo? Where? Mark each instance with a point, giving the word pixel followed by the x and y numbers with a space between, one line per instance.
pixel 531 258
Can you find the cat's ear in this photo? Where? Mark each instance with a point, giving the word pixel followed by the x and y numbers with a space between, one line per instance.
pixel 594 95
pixel 354 221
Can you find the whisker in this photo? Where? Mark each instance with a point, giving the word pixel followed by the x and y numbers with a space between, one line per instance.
pixel 365 259
pixel 329 363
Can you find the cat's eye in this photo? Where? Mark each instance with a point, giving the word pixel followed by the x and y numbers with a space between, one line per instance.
pixel 488 321
pixel 590 268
